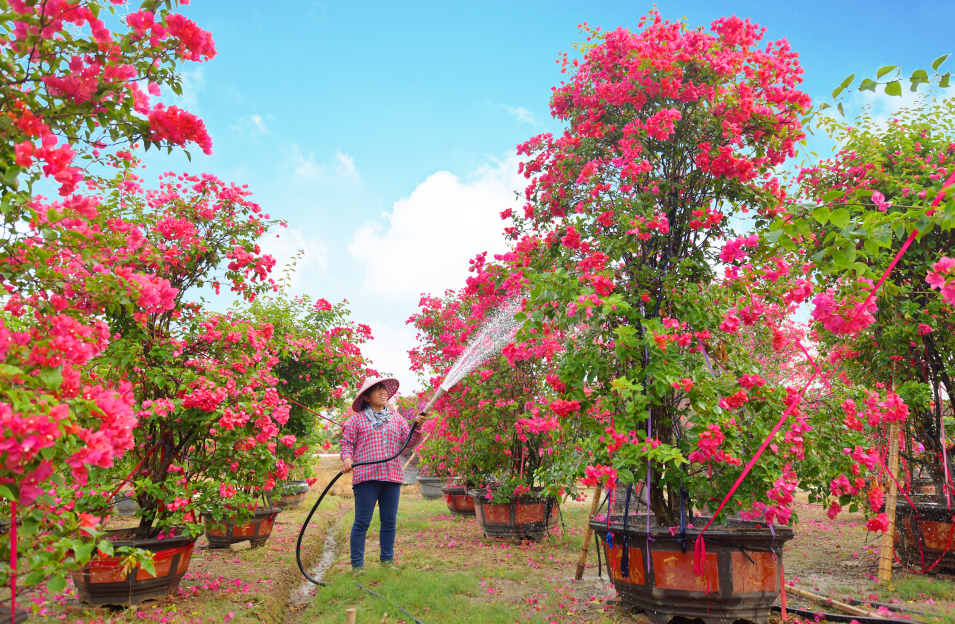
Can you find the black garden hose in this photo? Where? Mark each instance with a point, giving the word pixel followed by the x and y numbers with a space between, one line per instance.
pixel 301 534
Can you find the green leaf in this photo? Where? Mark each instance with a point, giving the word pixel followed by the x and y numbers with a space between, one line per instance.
pixel 821 214
pixel 862 193
pixel 837 91
pixel 938 62
pixel 883 71
pixel 51 377
pixel 841 111
pixel 839 218
pixel 868 85
pixel 7 493
pixel 860 268
pixel 944 81
pixel 824 106
pixel 773 236
pixel 919 76
pixel 844 257
pixel 35 577
pixel 56 584
pixel 848 81
pixel 832 195
pixel 893 88
pixel 83 551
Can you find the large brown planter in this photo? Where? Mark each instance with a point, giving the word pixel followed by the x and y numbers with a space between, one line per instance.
pixel 103 580
pixel 459 501
pixel 741 580
pixel 930 523
pixel 529 517
pixel 257 529
pixel 292 500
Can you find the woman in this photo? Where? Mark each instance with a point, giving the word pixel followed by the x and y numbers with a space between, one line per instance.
pixel 374 432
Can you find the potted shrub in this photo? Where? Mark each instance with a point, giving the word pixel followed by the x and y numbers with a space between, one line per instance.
pixel 318 353
pixel 209 416
pixel 864 204
pixel 64 263
pixel 629 215
pixel 492 436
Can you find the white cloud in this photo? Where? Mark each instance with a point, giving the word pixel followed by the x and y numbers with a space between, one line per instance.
pixel 308 169
pixel 424 244
pixel 193 83
pixel 523 115
pixel 251 125
pixel 285 244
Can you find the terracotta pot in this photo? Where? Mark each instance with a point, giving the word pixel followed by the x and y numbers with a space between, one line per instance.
pixel 103 582
pixel 459 501
pixel 430 487
pixel 922 534
pixel 299 490
pixel 256 529
pixel 741 578
pixel 529 517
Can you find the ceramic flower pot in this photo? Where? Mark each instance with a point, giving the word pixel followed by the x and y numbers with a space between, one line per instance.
pixel 257 529
pixel 528 517
pixel 460 503
pixel 430 487
pixel 292 500
pixel 923 534
pixel 104 581
pixel 740 581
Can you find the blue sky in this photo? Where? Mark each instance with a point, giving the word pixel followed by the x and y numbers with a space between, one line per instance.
pixel 385 133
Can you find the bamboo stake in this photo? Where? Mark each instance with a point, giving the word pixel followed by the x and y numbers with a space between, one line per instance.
pixel 411 459
pixel 888 538
pixel 838 606
pixel 350 616
pixel 588 533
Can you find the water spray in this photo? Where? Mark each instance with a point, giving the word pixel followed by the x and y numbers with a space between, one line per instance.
pixel 497 331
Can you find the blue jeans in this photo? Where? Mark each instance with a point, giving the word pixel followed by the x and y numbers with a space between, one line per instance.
pixel 367 493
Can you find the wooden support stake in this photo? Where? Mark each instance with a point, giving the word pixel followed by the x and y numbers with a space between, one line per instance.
pixel 888 538
pixel 350 616
pixel 835 604
pixel 411 459
pixel 588 533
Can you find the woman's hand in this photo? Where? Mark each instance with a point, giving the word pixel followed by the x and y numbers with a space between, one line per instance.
pixel 346 466
pixel 420 419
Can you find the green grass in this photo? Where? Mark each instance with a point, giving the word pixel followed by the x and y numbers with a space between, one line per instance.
pixel 438 596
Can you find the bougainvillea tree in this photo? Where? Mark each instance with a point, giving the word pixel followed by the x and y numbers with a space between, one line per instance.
pixel 495 426
pixel 866 202
pixel 319 360
pixel 210 417
pixel 672 139
pixel 74 94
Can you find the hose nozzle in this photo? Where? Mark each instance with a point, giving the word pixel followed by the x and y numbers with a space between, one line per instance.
pixel 437 395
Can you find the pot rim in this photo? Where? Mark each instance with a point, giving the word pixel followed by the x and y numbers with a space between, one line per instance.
pixel 636 526
pixel 152 543
pixel 258 514
pixel 528 498
pixel 420 479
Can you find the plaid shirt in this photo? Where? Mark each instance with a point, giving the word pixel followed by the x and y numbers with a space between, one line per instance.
pixel 361 442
